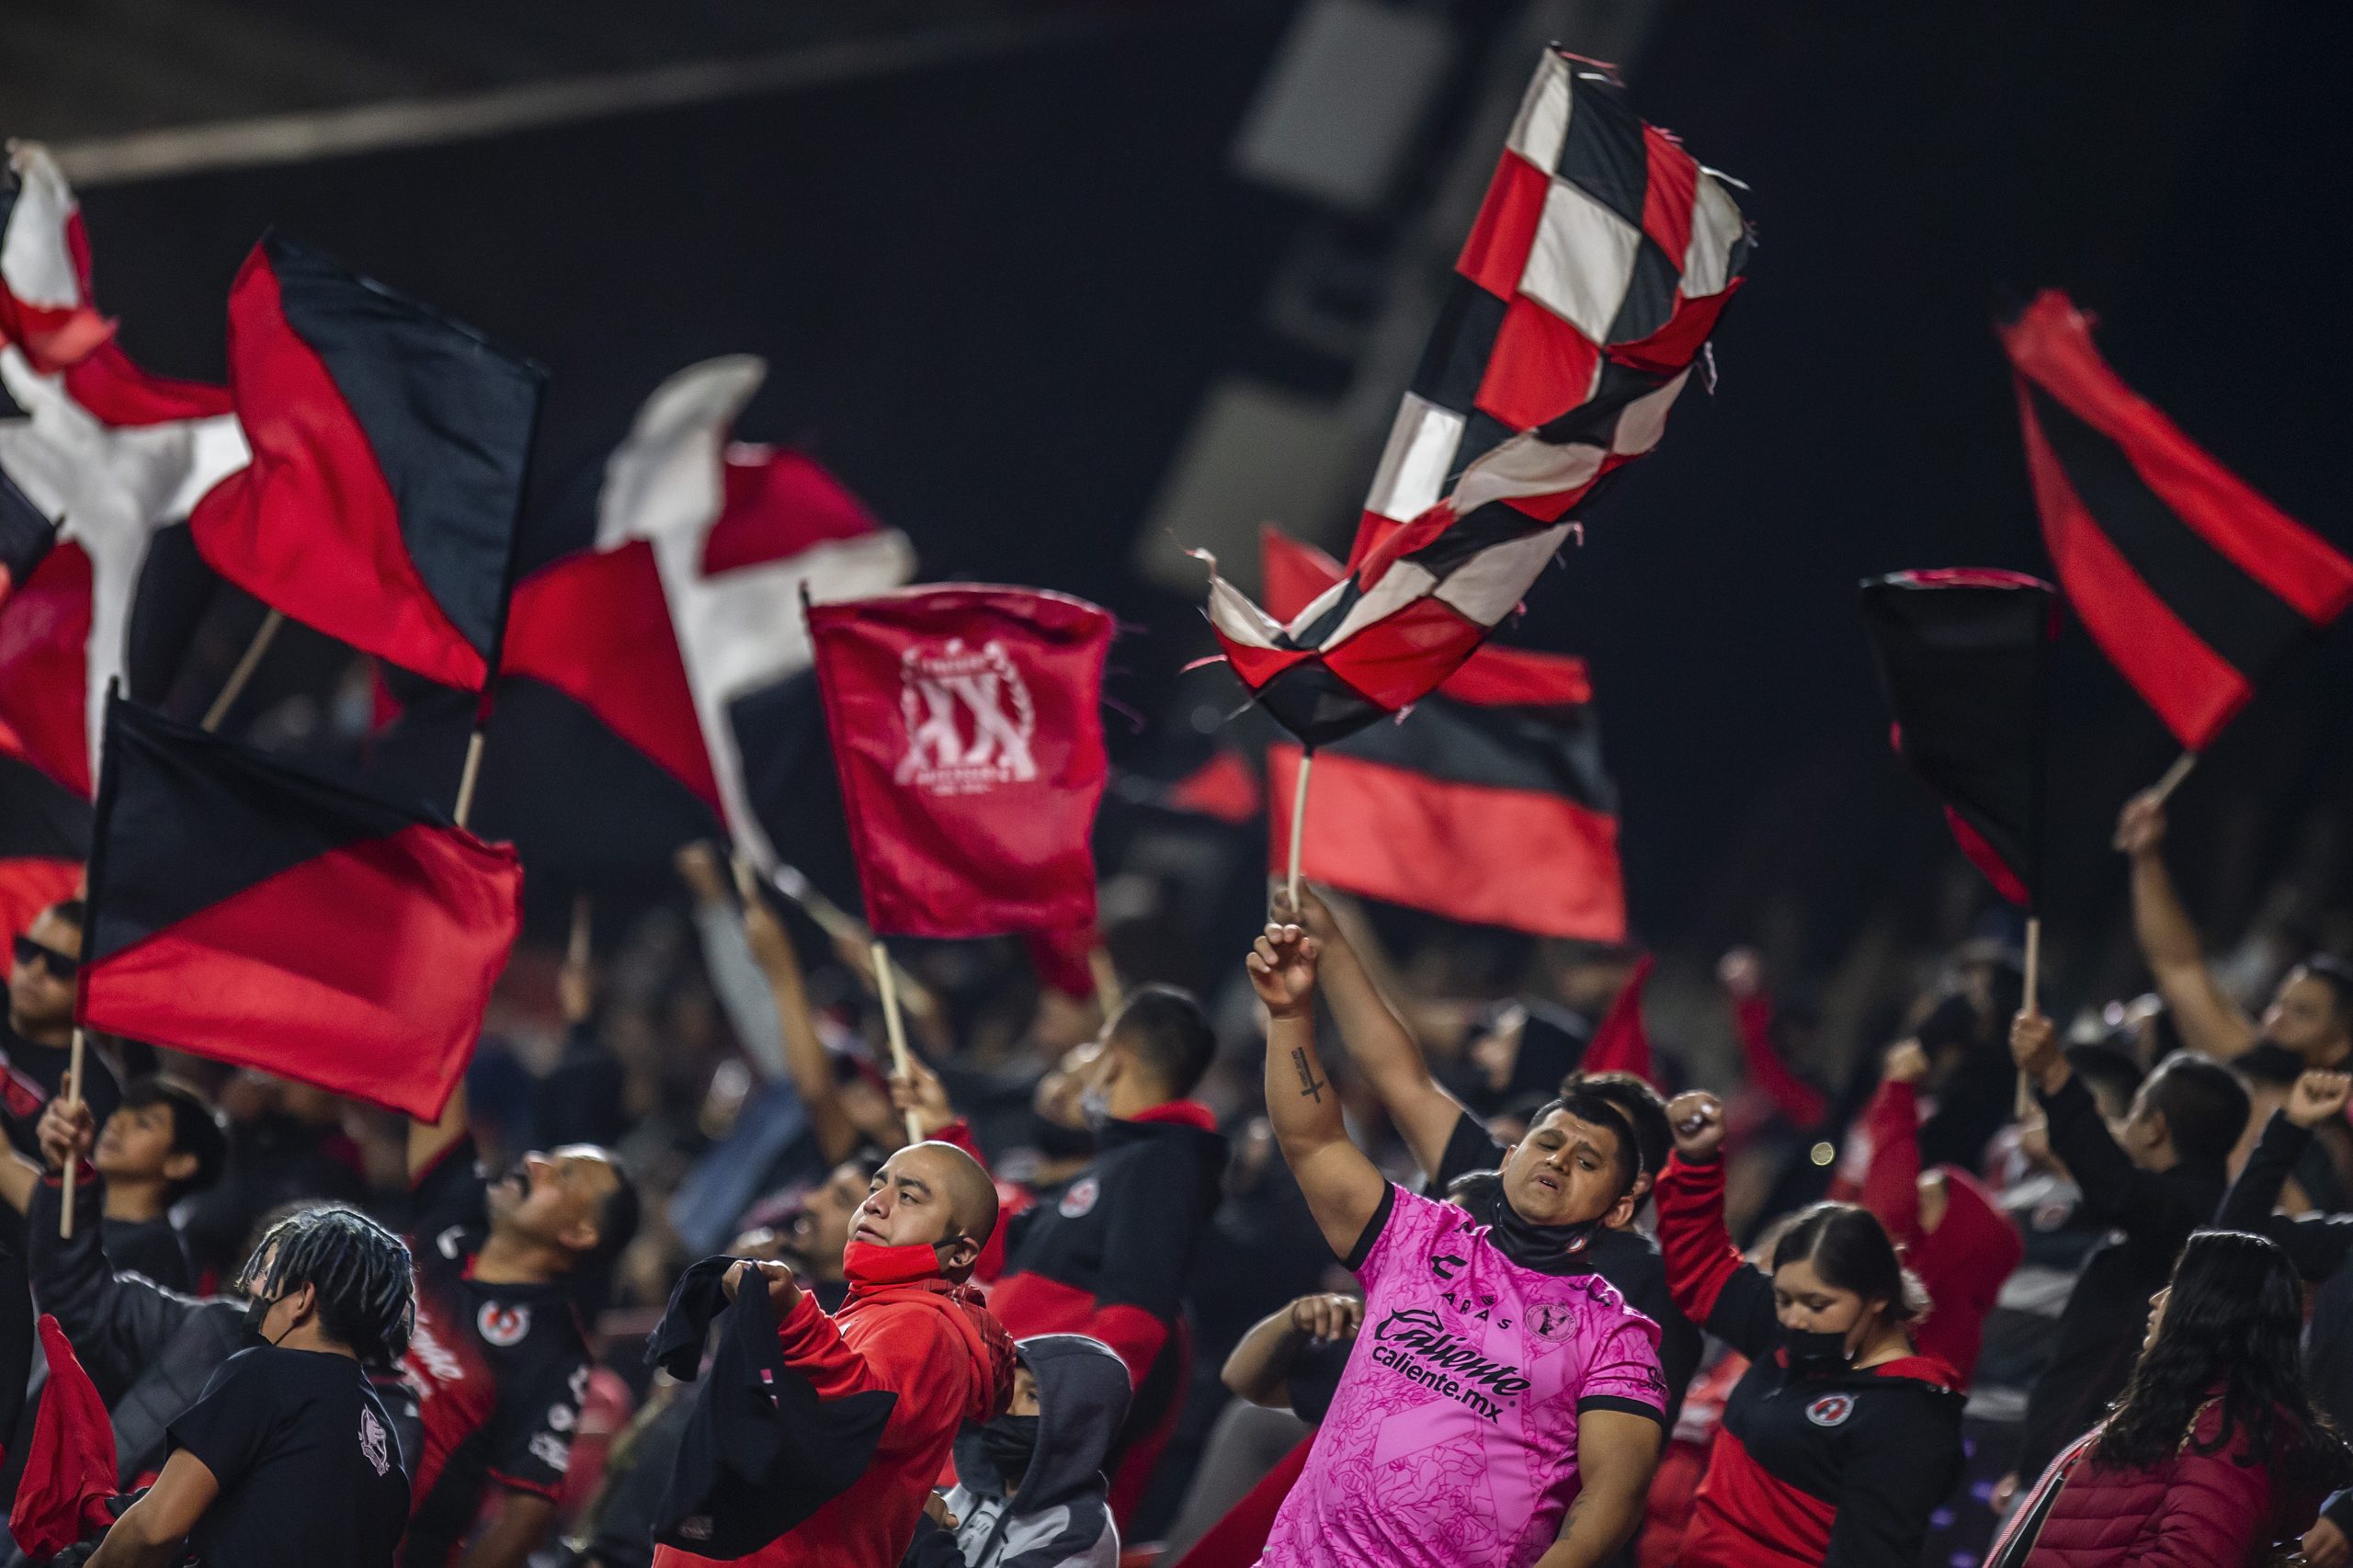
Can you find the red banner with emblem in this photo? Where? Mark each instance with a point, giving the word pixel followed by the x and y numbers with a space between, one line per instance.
pixel 967 728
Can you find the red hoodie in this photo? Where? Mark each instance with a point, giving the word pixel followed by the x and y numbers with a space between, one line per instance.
pixel 904 1330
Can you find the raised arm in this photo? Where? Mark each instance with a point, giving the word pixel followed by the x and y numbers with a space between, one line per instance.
pixel 2116 1191
pixel 2207 1018
pixel 1705 1272
pixel 736 976
pixel 1259 1363
pixel 804 1054
pixel 1379 1045
pixel 2317 1243
pixel 1342 1188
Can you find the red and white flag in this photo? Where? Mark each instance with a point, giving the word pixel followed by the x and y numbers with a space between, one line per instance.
pixel 967 727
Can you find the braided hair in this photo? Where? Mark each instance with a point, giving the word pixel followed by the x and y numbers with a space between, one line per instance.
pixel 364 1277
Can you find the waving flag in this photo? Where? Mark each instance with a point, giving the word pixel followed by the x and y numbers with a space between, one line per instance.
pixel 2191 583
pixel 389 449
pixel 250 912
pixel 45 310
pixel 1495 777
pixel 100 448
pixel 967 727
pixel 70 1467
pixel 1594 273
pixel 1965 656
pixel 739 534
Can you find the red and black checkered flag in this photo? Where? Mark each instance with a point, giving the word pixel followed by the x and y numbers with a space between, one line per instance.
pixel 1496 777
pixel 1596 270
pixel 2191 583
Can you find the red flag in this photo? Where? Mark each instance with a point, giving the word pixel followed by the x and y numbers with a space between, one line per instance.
pixel 1066 959
pixel 246 911
pixel 69 1468
pixel 44 642
pixel 2190 581
pixel 967 730
pixel 1621 1044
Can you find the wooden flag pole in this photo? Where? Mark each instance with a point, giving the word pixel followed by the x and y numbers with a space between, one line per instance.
pixel 2164 787
pixel 234 687
pixel 1108 995
pixel 830 917
pixel 1298 821
pixel 2026 1105
pixel 578 952
pixel 74 1100
pixel 894 1025
pixel 466 779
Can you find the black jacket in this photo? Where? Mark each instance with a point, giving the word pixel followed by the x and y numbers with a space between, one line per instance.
pixel 2151 1214
pixel 1107 1253
pixel 2319 1245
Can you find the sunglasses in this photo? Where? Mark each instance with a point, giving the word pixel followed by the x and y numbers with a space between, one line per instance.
pixel 29 953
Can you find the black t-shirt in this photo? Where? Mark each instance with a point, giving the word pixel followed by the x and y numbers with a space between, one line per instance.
pixel 1627 1259
pixel 151 1247
pixel 310 1471
pixel 499 1368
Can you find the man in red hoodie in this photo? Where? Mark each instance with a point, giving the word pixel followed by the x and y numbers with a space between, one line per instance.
pixel 910 1327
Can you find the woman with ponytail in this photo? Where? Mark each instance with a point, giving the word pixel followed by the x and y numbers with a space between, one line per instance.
pixel 2215 1457
pixel 1841 1438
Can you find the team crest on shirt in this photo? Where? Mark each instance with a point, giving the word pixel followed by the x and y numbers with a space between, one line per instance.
pixel 1080 1198
pixel 502 1327
pixel 1831 1410
pixel 375 1443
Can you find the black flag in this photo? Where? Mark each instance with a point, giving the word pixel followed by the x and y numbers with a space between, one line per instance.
pixel 1965 656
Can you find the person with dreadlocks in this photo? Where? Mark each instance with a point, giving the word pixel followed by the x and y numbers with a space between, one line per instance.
pixel 287 1458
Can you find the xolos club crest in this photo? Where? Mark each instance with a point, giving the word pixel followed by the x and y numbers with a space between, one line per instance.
pixel 968 720
pixel 1831 1410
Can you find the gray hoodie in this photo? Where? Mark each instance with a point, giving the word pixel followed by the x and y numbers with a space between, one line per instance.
pixel 1057 1516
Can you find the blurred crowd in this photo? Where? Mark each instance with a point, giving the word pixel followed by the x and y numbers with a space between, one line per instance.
pixel 709 1077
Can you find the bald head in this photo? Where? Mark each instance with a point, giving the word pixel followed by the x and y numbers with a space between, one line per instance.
pixel 927 1195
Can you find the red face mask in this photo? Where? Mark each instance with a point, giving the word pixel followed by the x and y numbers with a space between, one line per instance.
pixel 872 1262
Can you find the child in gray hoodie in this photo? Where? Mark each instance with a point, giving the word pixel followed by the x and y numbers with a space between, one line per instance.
pixel 1031 1488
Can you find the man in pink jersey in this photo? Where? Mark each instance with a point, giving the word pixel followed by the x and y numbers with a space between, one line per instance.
pixel 1493 1414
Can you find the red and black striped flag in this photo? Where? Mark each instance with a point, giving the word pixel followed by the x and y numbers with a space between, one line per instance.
pixel 251 911
pixel 2191 583
pixel 1596 270
pixel 1965 657
pixel 1487 803
pixel 389 446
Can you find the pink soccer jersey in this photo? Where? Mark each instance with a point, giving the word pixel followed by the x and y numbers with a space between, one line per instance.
pixel 1452 1439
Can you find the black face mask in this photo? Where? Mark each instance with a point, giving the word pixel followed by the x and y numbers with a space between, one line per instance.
pixel 256 1313
pixel 1816 1354
pixel 1009 1441
pixel 1547 1249
pixel 1054 1141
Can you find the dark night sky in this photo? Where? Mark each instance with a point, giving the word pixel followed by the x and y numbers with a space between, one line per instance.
pixel 992 298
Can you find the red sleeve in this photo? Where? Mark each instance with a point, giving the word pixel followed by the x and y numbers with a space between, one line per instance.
pixel 1133 1333
pixel 1790 1095
pixel 1700 1254
pixel 1892 1182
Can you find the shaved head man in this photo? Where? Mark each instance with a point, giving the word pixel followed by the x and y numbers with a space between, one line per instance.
pixel 910 1327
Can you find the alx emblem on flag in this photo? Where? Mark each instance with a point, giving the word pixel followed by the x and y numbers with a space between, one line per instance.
pixel 1590 280
pixel 968 738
